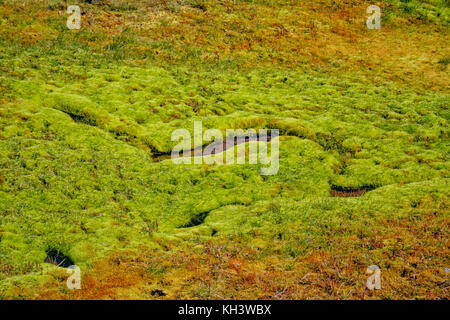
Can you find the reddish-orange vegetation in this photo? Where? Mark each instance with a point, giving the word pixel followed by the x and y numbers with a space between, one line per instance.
pixel 326 36
pixel 302 36
pixel 409 254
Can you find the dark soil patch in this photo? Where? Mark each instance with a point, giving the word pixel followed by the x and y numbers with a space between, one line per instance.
pixel 158 293
pixel 349 192
pixel 196 220
pixel 198 151
pixel 80 119
pixel 57 258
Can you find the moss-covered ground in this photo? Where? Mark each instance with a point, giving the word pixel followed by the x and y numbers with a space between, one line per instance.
pixel 83 114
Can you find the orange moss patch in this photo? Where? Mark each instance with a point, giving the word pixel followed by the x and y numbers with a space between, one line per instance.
pixel 410 253
pixel 325 36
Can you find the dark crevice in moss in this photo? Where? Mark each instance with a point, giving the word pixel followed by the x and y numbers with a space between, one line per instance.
pixel 198 151
pixel 158 293
pixel 56 257
pixel 338 191
pixel 196 220
pixel 199 218
pixel 80 119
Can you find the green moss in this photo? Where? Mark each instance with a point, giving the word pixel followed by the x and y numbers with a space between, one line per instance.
pixel 79 127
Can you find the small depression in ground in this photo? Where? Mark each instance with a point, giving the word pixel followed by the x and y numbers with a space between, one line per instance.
pixel 198 151
pixel 57 258
pixel 337 191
